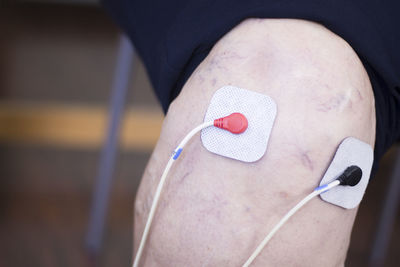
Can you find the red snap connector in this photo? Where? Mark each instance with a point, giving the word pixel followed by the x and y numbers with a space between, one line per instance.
pixel 235 123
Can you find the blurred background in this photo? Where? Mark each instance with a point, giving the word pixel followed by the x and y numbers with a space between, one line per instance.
pixel 57 68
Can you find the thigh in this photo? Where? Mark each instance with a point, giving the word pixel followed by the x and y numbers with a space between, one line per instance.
pixel 214 211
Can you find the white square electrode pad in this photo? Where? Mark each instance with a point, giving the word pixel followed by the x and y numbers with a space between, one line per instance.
pixel 350 152
pixel 260 111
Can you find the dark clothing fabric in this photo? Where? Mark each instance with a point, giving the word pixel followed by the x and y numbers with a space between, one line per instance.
pixel 173 37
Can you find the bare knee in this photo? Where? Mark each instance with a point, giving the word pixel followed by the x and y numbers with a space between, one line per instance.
pixel 214 210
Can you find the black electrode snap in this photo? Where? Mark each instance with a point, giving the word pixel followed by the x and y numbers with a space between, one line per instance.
pixel 351 176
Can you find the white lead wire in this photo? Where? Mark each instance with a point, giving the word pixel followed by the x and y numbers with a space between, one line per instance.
pixel 316 192
pixel 156 198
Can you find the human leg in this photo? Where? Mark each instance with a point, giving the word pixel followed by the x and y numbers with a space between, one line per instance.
pixel 213 210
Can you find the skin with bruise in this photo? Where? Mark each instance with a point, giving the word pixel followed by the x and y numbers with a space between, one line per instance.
pixel 214 211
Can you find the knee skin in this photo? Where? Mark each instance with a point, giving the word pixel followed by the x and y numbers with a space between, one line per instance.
pixel 214 211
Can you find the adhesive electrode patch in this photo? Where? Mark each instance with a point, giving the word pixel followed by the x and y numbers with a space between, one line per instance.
pixel 260 111
pixel 350 152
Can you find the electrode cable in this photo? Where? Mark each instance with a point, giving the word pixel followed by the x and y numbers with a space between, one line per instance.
pixel 351 177
pixel 235 123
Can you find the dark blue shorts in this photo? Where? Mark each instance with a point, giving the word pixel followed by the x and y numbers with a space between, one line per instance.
pixel 173 37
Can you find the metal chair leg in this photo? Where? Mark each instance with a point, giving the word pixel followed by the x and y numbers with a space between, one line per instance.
pixel 108 154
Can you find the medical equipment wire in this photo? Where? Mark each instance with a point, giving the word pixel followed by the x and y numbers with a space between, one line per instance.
pixel 350 177
pixel 316 192
pixel 156 198
pixel 235 123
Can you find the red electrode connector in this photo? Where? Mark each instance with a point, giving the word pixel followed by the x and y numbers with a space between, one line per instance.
pixel 235 123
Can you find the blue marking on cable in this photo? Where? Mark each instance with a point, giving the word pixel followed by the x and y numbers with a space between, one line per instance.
pixel 321 187
pixel 177 153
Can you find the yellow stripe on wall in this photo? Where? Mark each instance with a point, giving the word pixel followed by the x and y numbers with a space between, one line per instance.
pixel 80 126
